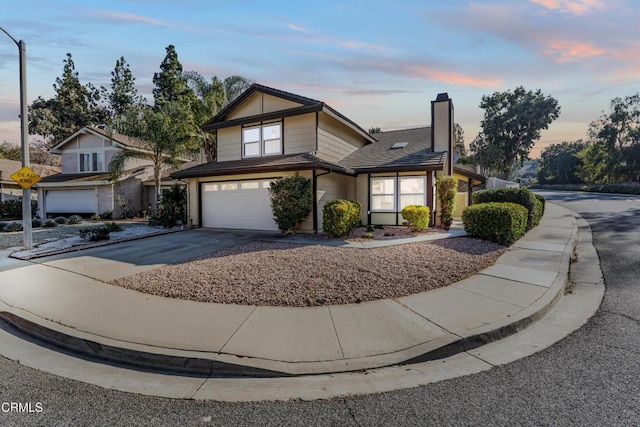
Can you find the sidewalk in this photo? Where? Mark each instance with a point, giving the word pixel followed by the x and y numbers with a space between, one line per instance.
pixel 87 316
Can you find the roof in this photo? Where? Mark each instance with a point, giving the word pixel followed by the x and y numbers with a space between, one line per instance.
pixel 286 162
pixel 9 167
pixel 87 177
pixel 469 171
pixel 308 105
pixel 381 156
pixel 122 140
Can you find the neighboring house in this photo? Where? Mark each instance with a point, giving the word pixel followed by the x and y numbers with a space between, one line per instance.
pixel 9 189
pixel 267 133
pixel 85 186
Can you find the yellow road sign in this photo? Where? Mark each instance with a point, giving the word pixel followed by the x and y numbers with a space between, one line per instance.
pixel 26 177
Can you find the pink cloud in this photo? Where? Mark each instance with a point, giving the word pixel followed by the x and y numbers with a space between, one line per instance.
pixel 570 50
pixel 448 77
pixel 129 18
pixel 576 7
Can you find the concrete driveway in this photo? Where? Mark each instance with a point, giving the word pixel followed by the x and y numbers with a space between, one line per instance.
pixel 110 262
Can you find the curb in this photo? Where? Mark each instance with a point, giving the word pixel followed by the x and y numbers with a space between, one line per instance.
pixel 184 362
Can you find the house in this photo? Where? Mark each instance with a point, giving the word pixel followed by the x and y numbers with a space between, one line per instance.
pixel 85 186
pixel 268 133
pixel 9 189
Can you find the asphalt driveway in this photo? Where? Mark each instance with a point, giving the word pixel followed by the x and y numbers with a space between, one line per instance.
pixel 124 259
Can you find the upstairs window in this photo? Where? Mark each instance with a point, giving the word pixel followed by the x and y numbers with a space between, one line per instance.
pixel 91 162
pixel 265 140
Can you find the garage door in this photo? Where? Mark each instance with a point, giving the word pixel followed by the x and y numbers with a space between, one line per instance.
pixel 71 201
pixel 238 204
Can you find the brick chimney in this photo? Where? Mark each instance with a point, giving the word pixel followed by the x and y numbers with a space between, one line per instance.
pixel 442 129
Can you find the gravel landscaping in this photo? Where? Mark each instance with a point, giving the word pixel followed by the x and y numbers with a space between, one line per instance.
pixel 297 275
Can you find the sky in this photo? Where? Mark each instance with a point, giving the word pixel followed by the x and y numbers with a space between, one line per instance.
pixel 379 62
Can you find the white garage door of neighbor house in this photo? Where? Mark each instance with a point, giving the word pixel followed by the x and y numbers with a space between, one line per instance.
pixel 239 204
pixel 71 201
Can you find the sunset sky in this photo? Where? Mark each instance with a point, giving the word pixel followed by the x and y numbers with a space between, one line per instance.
pixel 380 63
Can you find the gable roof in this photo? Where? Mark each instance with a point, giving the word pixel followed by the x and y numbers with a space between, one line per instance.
pixel 9 167
pixel 380 156
pixel 308 105
pixel 119 140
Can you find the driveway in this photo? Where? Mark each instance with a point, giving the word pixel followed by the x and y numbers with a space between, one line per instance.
pixel 110 262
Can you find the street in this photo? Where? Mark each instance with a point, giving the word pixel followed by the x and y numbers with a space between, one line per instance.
pixel 590 378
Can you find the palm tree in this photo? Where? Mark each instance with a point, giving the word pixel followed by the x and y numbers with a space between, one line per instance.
pixel 162 135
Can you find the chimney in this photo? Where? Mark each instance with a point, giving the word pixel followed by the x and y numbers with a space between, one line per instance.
pixel 442 129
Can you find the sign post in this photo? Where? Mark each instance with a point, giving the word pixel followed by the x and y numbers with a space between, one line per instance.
pixel 26 178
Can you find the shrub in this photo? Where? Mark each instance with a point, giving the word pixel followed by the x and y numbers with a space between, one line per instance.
pixel 11 209
pixel 173 207
pixel 2 225
pixel 540 205
pixel 502 223
pixel 12 227
pixel 521 196
pixel 447 188
pixel 369 229
pixel 94 234
pixel 96 217
pixel 340 216
pixel 416 216
pixel 113 227
pixel 49 223
pixel 291 201
pixel 75 219
pixel 60 220
pixel 106 215
pixel 36 222
pixel 367 236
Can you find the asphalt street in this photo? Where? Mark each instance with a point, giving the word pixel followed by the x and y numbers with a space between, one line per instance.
pixel 592 377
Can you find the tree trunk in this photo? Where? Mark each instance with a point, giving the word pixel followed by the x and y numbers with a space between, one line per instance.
pixel 156 178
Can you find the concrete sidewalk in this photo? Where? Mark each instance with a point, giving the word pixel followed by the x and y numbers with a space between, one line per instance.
pixel 86 315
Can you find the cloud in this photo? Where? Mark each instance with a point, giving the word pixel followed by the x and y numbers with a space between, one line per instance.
pixel 575 7
pixel 296 27
pixel 126 18
pixel 569 50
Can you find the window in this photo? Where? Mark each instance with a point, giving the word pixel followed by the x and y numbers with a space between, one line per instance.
pixel 387 195
pixel 91 162
pixel 265 140
pixel 412 191
pixel 383 196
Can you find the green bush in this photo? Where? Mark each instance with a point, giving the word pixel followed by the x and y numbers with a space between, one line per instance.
pixel 340 216
pixel 172 209
pixel 540 205
pixel 502 223
pixel 291 201
pixel 75 219
pixel 416 216
pixel 113 226
pixel 106 215
pixel 11 209
pixel 12 227
pixel 447 188
pixel 94 234
pixel 520 196
pixel 36 223
pixel 2 225
pixel 49 223
pixel 367 236
pixel 60 220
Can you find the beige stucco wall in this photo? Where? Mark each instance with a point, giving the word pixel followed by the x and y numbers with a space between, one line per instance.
pixel 335 139
pixel 259 103
pixel 105 200
pixel 443 130
pixel 300 134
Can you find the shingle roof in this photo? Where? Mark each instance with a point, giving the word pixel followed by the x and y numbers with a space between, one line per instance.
pixel 122 139
pixel 258 164
pixel 380 155
pixel 9 167
pixel 84 177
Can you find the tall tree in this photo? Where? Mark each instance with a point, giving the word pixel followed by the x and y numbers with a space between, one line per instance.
pixel 74 105
pixel 235 85
pixel 561 163
pixel 170 83
pixel 122 94
pixel 165 135
pixel 459 142
pixel 615 143
pixel 513 121
pixel 210 98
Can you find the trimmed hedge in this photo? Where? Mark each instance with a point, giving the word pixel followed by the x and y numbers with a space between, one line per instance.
pixel 540 204
pixel 520 196
pixel 340 216
pixel 502 223
pixel 416 216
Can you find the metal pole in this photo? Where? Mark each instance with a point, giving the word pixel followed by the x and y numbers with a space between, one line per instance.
pixel 27 238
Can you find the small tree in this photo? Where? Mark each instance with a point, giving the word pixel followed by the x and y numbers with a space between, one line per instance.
pixel 447 188
pixel 291 201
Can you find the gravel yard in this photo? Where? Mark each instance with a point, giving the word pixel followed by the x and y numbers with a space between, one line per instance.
pixel 288 274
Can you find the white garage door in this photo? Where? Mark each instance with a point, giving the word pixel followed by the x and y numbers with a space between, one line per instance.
pixel 238 204
pixel 71 201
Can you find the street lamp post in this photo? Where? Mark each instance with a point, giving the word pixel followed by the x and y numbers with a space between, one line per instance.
pixel 27 238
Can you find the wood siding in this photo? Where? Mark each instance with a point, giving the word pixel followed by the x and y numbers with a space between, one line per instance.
pixel 300 134
pixel 335 139
pixel 229 144
pixel 259 103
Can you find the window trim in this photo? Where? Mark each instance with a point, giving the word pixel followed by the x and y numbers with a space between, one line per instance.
pixel 394 194
pixel 261 139
pixel 397 194
pixel 424 189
